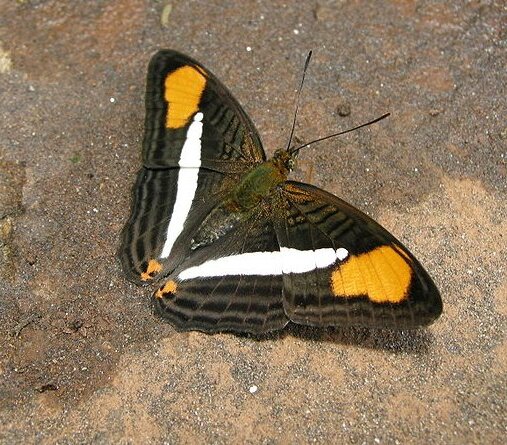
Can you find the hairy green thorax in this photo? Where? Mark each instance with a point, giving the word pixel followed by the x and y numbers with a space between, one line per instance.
pixel 257 183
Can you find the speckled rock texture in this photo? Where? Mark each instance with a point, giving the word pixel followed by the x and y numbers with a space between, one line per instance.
pixel 83 360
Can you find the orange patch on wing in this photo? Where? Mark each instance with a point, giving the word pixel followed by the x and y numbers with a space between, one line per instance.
pixel 383 275
pixel 183 91
pixel 168 288
pixel 154 267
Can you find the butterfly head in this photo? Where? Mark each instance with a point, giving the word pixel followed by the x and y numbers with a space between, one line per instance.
pixel 284 160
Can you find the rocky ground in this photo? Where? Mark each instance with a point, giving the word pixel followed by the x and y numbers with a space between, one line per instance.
pixel 82 357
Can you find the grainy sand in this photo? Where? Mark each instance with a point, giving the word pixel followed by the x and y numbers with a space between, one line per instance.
pixel 83 359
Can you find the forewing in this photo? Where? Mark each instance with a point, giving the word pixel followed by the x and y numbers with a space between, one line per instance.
pixel 177 89
pixel 235 284
pixel 197 141
pixel 359 274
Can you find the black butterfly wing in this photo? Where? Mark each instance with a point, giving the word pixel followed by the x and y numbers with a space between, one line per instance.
pixel 355 274
pixel 235 284
pixel 197 141
pixel 177 89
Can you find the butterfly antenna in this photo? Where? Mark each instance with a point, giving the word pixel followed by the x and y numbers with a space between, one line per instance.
pixel 295 150
pixel 308 57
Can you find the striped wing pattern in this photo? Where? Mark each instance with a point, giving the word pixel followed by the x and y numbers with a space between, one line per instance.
pixel 194 128
pixel 378 284
pixel 225 302
pixel 228 132
pixel 145 232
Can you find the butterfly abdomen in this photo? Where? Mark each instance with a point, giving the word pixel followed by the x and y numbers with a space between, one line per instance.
pixel 220 221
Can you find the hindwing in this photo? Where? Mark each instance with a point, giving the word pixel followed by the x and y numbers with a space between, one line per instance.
pixel 234 284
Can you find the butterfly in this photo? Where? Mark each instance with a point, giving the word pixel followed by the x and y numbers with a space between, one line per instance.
pixel 233 244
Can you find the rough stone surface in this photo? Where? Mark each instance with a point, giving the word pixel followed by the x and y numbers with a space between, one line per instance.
pixel 83 359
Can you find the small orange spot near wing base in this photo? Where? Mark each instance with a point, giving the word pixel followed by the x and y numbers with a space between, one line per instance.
pixel 383 275
pixel 168 288
pixel 154 267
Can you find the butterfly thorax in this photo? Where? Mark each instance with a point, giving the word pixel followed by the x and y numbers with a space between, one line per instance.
pixel 259 182
pixel 255 185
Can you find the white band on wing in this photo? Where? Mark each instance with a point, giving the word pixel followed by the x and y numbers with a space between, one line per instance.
pixel 266 263
pixel 190 161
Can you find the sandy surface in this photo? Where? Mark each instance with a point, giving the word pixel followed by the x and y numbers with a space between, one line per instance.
pixel 83 359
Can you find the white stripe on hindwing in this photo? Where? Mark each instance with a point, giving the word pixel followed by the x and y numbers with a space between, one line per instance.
pixel 190 161
pixel 266 263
